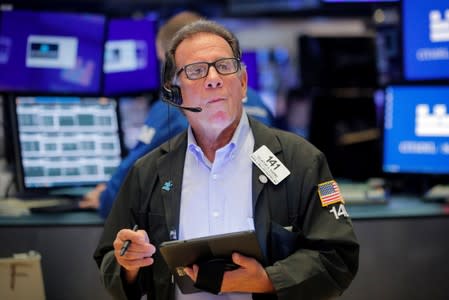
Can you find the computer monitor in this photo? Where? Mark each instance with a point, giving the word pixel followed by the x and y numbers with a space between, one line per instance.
pixel 416 130
pixel 425 26
pixel 337 61
pixel 346 129
pixel 130 61
pixel 64 142
pixel 51 52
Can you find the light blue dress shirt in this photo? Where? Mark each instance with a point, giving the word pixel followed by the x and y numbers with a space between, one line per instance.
pixel 217 196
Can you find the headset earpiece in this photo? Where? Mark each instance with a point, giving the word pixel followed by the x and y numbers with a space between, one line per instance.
pixel 170 93
pixel 176 92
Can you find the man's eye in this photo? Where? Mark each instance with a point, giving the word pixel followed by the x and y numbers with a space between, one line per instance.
pixel 196 70
pixel 224 66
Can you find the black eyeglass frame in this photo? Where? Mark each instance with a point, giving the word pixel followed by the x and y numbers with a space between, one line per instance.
pixel 209 64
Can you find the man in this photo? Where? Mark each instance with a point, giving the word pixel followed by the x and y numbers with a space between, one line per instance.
pixel 203 182
pixel 160 125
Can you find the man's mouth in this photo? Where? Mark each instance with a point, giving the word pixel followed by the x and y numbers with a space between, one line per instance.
pixel 215 100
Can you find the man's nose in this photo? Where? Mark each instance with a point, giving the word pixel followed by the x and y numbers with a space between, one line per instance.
pixel 213 78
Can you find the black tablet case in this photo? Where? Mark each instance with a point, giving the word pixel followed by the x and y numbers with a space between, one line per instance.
pixel 181 253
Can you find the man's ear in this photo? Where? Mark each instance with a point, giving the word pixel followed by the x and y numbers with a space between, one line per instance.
pixel 244 80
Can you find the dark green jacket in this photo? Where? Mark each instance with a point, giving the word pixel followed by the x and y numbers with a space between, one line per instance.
pixel 310 253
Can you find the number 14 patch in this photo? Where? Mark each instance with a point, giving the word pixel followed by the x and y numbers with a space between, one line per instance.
pixel 340 212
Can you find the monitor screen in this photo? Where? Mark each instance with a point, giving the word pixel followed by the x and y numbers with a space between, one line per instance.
pixel 425 39
pixel 130 61
pixel 49 52
pixel 65 141
pixel 416 130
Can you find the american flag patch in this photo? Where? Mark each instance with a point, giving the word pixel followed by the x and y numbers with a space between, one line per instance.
pixel 329 193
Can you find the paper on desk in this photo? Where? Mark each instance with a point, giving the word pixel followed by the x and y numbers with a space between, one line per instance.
pixel 14 207
pixel 21 277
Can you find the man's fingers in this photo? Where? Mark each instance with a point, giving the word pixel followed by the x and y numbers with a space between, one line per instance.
pixel 138 237
pixel 241 260
pixel 192 272
pixel 189 272
pixel 136 263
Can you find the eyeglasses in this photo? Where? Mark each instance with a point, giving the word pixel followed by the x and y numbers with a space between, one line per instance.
pixel 224 66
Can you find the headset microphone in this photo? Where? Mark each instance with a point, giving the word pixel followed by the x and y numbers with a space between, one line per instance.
pixel 192 109
pixel 173 97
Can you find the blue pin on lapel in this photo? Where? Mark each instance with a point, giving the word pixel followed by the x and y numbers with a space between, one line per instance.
pixel 167 186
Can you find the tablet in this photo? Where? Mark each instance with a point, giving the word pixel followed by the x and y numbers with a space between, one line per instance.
pixel 181 253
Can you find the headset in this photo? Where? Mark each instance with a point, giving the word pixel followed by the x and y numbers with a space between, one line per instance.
pixel 172 93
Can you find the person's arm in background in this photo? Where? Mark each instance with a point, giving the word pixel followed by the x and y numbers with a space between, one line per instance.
pixel 162 123
pixel 92 198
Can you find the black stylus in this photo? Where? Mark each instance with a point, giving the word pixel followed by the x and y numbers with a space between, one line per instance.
pixel 127 243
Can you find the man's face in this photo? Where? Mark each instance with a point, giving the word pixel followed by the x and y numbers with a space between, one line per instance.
pixel 219 96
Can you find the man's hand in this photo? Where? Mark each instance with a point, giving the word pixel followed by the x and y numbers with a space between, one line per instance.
pixel 139 253
pixel 249 278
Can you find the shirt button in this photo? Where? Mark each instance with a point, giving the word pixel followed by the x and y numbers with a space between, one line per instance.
pixel 214 176
pixel 215 214
pixel 263 179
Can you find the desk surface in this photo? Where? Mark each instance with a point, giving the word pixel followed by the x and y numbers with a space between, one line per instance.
pixel 54 219
pixel 397 207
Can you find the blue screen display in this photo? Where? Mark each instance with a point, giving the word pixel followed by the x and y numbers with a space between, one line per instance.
pixel 51 52
pixel 416 130
pixel 426 39
pixel 130 61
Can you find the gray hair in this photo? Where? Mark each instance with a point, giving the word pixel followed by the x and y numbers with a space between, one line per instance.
pixel 201 26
